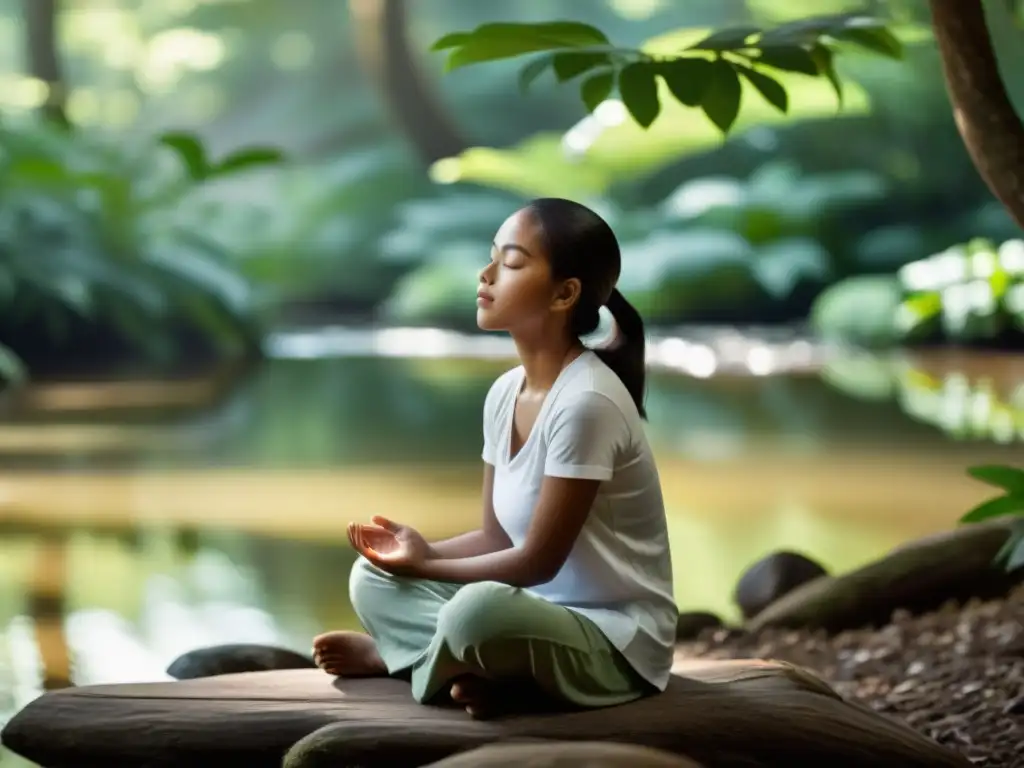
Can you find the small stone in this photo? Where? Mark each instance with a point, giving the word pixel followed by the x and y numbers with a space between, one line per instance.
pixel 770 578
pixel 1014 706
pixel 234 659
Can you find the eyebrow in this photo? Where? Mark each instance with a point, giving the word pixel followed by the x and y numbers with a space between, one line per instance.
pixel 512 247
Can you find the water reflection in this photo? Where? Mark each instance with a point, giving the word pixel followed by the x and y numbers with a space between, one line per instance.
pixel 226 523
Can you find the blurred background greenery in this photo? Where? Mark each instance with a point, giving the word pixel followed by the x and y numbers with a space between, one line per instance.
pixel 223 222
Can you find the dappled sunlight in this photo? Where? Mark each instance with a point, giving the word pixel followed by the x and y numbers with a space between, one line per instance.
pixel 601 151
pixel 293 51
pixel 700 353
pixel 637 10
pixel 22 93
pixel 175 51
pixel 237 297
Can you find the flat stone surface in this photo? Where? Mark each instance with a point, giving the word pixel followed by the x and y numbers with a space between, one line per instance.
pixel 553 754
pixel 782 713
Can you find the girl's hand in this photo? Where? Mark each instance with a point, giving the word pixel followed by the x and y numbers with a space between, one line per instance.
pixel 395 548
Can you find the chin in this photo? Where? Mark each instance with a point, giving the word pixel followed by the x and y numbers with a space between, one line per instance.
pixel 485 321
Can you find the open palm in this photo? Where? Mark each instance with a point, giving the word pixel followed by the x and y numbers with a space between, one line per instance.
pixel 388 544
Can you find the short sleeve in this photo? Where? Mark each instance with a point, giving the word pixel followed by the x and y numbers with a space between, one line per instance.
pixel 585 438
pixel 489 419
pixel 492 406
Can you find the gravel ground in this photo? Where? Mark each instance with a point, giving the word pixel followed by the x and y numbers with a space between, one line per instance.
pixel 956 674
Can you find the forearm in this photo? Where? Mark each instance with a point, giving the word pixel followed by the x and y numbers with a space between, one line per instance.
pixel 471 544
pixel 512 566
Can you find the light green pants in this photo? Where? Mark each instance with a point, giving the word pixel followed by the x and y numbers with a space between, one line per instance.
pixel 437 632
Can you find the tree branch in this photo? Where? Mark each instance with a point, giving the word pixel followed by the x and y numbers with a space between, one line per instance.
pixel 984 114
pixel 43 62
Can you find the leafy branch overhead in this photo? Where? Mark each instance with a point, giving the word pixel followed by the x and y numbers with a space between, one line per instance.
pixel 705 75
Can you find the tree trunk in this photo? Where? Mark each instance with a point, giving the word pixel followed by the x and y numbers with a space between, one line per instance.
pixel 43 63
pixel 382 45
pixel 984 114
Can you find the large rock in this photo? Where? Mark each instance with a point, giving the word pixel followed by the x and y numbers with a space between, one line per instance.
pixel 770 578
pixel 576 754
pixel 235 658
pixel 916 577
pixel 722 714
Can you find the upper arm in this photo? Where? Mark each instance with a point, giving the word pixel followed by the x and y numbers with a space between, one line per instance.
pixel 491 527
pixel 562 509
pixel 584 442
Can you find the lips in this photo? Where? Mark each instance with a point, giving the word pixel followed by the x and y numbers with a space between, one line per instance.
pixel 484 298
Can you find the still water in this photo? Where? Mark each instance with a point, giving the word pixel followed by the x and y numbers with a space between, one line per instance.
pixel 139 520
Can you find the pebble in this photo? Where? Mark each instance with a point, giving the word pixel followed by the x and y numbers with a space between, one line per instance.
pixel 956 675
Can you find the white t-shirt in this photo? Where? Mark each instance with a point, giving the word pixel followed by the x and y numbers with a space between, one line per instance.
pixel 619 572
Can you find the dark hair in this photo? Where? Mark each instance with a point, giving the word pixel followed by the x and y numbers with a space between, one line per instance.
pixel 580 244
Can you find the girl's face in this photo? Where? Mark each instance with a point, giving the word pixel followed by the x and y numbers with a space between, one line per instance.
pixel 516 290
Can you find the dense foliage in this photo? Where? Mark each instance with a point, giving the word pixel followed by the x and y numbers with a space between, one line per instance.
pixel 972 293
pixel 105 259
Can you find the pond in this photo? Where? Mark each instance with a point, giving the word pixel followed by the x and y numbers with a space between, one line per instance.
pixel 139 520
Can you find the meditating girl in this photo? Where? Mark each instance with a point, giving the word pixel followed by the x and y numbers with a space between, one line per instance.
pixel 567 585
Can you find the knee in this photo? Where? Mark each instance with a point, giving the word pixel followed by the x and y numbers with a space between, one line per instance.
pixel 478 614
pixel 364 585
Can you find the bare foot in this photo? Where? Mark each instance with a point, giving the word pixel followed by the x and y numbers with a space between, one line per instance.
pixel 473 694
pixel 348 654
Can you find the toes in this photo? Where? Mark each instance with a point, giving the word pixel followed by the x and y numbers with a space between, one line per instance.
pixel 468 691
pixel 462 693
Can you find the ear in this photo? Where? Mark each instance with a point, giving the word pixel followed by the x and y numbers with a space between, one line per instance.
pixel 567 295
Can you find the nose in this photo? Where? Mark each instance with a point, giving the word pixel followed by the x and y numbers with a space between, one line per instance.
pixel 485 274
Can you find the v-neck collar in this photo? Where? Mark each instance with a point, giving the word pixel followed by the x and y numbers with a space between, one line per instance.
pixel 510 425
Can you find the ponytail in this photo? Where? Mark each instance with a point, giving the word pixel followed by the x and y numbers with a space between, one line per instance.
pixel 626 353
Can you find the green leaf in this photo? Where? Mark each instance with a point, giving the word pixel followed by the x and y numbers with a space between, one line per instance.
pixel 721 100
pixel 190 151
pixel 38 172
pixel 687 78
pixel 768 87
pixel 451 40
pixel 479 51
pixel 596 88
pixel 570 64
pixel 638 86
pixel 245 159
pixel 826 65
pixel 12 369
pixel 808 30
pixel 868 32
pixel 877 39
pixel 726 39
pixel 916 312
pixel 1010 479
pixel 788 58
pixel 1015 557
pixel 1011 554
pixel 503 40
pixel 534 69
pixel 556 33
pixel 997 507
